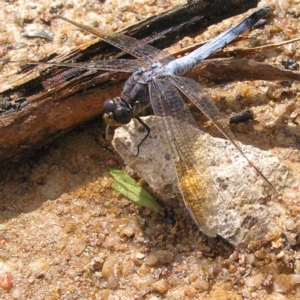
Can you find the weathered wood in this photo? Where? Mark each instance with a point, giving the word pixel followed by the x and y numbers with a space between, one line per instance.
pixel 231 69
pixel 43 102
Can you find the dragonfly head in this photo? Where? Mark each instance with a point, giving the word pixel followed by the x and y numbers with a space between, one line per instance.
pixel 116 112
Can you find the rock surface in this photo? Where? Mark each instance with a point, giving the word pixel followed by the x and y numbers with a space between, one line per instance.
pixel 247 211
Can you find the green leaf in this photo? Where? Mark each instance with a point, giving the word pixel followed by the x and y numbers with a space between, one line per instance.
pixel 128 187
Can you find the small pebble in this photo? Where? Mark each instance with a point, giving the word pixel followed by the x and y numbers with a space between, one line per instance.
pixel 38 268
pixel 143 269
pixel 143 282
pixel 261 253
pixel 140 255
pixel 111 272
pixel 151 259
pixel 250 259
pixel 268 281
pixel 234 256
pixel 69 226
pixel 295 278
pixel 201 284
pixel 95 264
pixel 161 286
pixel 6 281
pixel 31 279
pixel 290 225
pixel 128 231
pixel 232 269
pixel 255 280
pixel 282 283
pixel 159 257
pixel 106 182
pixel 217 269
pixel 190 291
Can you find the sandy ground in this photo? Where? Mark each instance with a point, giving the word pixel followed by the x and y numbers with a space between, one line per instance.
pixel 65 235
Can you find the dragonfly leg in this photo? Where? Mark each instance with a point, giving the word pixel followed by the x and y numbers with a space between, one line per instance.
pixel 136 108
pixel 104 139
pixel 109 133
pixel 101 141
pixel 147 134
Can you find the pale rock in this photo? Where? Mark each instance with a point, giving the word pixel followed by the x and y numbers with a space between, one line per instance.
pixel 246 211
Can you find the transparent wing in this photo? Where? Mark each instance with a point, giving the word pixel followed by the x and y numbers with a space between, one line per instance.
pixel 128 44
pixel 204 102
pixel 120 65
pixel 189 159
pixel 202 99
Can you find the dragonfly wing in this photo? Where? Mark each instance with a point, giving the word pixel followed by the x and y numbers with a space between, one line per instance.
pixel 120 65
pixel 202 99
pixel 136 48
pixel 188 157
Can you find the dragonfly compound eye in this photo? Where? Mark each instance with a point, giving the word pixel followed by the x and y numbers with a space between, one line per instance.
pixel 116 112
pixel 122 115
pixel 109 106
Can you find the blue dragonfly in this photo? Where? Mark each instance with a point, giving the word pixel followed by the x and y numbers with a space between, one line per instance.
pixel 157 80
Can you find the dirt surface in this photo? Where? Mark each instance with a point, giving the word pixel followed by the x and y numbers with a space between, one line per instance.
pixel 64 234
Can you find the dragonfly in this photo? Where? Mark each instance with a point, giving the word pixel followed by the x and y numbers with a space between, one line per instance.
pixel 157 80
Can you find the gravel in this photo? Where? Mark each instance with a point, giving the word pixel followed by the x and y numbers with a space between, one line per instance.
pixel 65 235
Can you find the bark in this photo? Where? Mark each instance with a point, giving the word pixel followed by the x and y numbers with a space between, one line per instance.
pixel 231 69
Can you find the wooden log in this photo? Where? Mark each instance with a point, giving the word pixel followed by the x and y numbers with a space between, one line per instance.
pixel 42 102
pixel 232 69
